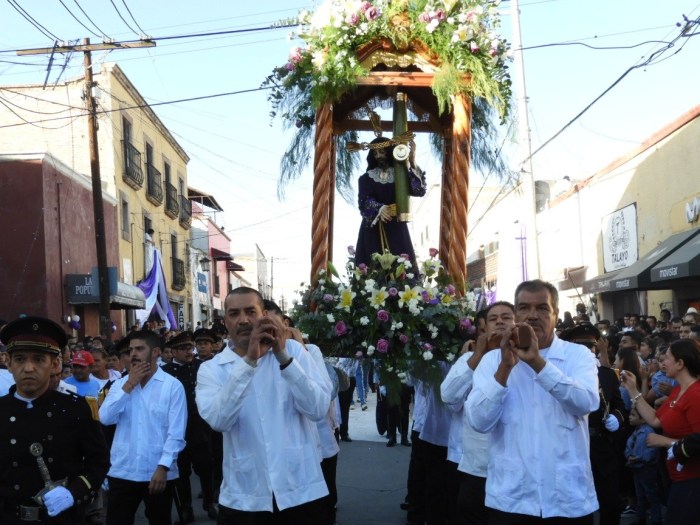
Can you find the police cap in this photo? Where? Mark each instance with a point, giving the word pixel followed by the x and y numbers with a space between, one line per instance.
pixel 204 334
pixel 183 338
pixel 579 332
pixel 34 333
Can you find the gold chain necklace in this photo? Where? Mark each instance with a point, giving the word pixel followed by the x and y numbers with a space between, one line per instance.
pixel 680 394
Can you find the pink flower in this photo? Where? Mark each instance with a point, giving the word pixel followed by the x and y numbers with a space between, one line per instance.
pixel 365 6
pixel 383 346
pixel 473 47
pixel 362 267
pixel 351 250
pixel 440 15
pixel 427 346
pixel 493 52
pixel 327 298
pixel 295 55
pixel 372 13
pixel 403 338
pixel 466 324
pixel 290 66
pixel 340 328
pixel 424 17
pixel 406 256
pixel 433 252
pixel 383 315
pixel 393 292
pixel 450 289
pixel 352 19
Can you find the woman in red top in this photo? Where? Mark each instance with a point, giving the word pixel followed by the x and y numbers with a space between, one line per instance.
pixel 678 417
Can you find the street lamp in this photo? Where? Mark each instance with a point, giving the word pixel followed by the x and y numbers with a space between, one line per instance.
pixel 205 263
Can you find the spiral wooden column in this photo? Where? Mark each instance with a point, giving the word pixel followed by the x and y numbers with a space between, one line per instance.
pixel 323 166
pixel 461 152
pixel 446 201
pixel 331 197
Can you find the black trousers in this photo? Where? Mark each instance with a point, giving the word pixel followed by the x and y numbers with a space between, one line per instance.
pixel 497 517
pixel 397 414
pixel 328 503
pixel 304 514
pixel 125 496
pixel 471 507
pixel 345 399
pixel 606 478
pixel 199 457
pixel 415 493
pixel 436 486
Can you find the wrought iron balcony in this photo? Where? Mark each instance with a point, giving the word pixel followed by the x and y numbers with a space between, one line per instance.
pixel 133 174
pixel 178 274
pixel 185 212
pixel 172 207
pixel 154 192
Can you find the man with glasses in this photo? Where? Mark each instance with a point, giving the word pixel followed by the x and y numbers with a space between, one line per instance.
pixel 197 452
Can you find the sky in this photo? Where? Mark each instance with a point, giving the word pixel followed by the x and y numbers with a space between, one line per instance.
pixel 573 52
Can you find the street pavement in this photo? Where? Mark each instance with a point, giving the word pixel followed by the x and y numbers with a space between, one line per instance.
pixel 371 478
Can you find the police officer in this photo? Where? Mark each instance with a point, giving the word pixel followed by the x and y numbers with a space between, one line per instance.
pixel 602 424
pixel 53 456
pixel 197 451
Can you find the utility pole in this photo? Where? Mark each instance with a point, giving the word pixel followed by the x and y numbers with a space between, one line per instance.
pixel 528 177
pixel 97 205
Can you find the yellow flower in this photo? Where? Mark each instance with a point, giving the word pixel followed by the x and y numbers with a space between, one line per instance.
pixel 409 295
pixel 378 297
pixel 346 297
pixel 449 4
pixel 447 299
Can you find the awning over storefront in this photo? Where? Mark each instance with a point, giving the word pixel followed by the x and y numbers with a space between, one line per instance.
pixel 599 284
pixel 638 275
pixel 681 264
pixel 220 255
pixel 573 278
pixel 81 290
pixel 234 267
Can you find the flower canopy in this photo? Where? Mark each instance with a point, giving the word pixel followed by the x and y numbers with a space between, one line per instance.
pixel 457 39
pixel 409 318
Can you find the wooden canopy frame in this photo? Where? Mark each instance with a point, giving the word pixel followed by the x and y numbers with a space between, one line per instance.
pixel 410 71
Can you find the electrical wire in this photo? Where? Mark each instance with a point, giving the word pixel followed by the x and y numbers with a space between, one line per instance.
pixel 90 19
pixel 123 19
pixel 77 19
pixel 132 17
pixel 32 20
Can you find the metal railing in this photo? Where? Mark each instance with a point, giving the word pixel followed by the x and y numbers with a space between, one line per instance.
pixel 185 211
pixel 133 174
pixel 178 274
pixel 154 192
pixel 172 206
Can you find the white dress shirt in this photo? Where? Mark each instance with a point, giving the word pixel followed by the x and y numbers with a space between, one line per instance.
pixel 267 417
pixel 326 427
pixel 539 445
pixel 436 425
pixel 6 381
pixel 150 426
pixel 466 447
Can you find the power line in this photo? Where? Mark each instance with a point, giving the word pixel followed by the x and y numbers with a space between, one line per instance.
pixel 123 19
pixel 88 17
pixel 32 20
pixel 132 17
pixel 77 19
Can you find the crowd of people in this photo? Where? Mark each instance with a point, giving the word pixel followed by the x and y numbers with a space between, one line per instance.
pixel 538 420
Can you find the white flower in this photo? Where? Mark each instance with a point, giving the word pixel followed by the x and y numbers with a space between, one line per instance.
pixel 369 285
pixel 450 357
pixel 364 344
pixel 370 350
pixel 330 318
pixel 304 335
pixel 364 320
pixel 322 281
pixel 427 355
pixel 409 275
pixel 389 369
pixel 401 375
pixel 414 309
pixel 432 25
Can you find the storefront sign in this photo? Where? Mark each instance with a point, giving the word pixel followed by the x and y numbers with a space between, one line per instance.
pixel 619 232
pixel 202 282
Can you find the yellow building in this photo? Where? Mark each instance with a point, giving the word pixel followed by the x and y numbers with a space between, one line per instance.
pixel 142 166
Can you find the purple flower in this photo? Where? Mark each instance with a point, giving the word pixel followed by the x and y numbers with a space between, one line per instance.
pixel 383 315
pixel 403 338
pixel 433 252
pixel 328 298
pixel 365 6
pixel 440 15
pixel 383 346
pixel 434 300
pixel 290 66
pixel 427 346
pixel 352 19
pixel 393 292
pixel 340 328
pixel 372 13
pixel 424 17
pixel 466 324
pixel 351 250
pixel 450 289
pixel 426 296
pixel 362 267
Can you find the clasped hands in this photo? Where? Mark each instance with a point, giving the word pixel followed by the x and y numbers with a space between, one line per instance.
pixel 267 333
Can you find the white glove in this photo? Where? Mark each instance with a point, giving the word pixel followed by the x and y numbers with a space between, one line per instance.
pixel 379 214
pixel 611 423
pixel 58 500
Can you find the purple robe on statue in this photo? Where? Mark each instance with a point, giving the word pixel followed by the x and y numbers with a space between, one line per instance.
pixel 374 192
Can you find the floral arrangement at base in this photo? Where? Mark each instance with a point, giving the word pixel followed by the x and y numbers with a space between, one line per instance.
pixel 410 319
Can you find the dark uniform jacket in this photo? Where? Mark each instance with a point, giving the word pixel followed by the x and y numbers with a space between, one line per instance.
pixel 73 448
pixel 197 430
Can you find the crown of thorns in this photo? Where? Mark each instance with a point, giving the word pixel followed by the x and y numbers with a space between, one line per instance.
pixel 376 121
